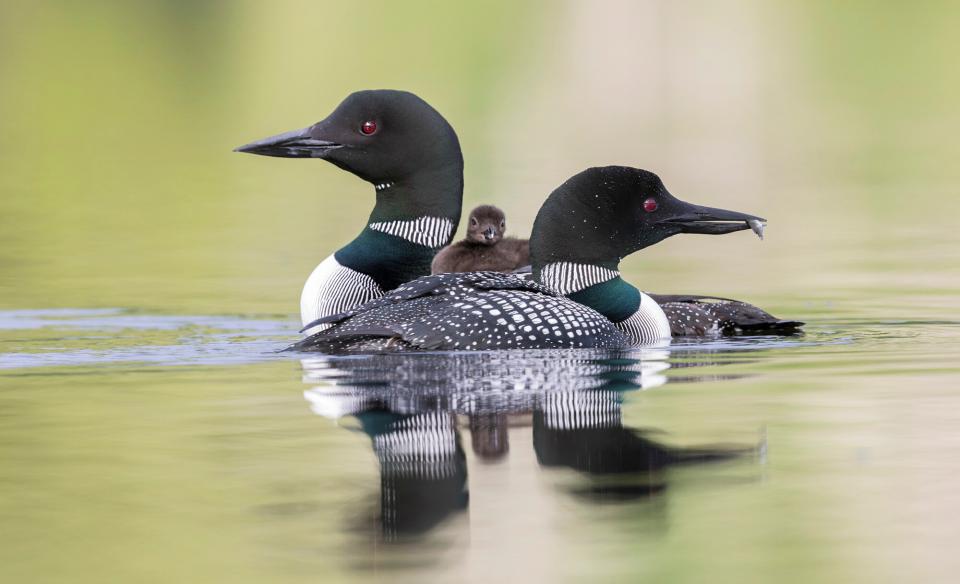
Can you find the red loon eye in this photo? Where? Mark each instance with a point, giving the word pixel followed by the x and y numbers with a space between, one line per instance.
pixel 368 127
pixel 650 205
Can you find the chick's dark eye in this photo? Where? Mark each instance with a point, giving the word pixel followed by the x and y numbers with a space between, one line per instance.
pixel 368 127
pixel 650 205
pixel 503 224
pixel 473 221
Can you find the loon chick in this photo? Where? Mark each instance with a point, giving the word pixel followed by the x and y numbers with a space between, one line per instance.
pixel 411 155
pixel 484 248
pixel 577 297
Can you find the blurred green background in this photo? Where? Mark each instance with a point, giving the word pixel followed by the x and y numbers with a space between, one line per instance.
pixel 118 187
pixel 837 121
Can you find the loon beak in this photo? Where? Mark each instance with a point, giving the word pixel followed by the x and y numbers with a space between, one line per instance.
pixel 295 144
pixel 489 233
pixel 707 220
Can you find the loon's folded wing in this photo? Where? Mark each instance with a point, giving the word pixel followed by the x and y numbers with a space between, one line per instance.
pixel 473 310
pixel 412 312
pixel 691 315
pixel 436 285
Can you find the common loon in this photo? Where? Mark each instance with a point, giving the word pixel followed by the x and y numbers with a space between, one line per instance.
pixel 484 248
pixel 576 298
pixel 411 155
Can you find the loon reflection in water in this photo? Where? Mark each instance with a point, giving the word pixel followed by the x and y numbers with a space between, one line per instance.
pixel 414 406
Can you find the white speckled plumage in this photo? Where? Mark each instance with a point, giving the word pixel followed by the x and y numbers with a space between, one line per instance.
pixel 470 311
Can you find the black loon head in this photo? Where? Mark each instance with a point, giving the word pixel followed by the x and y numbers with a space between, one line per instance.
pixel 602 215
pixel 487 225
pixel 383 136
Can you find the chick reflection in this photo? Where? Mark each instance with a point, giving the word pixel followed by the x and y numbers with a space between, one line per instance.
pixel 489 437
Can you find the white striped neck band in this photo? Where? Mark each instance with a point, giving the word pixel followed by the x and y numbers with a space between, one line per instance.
pixel 383 185
pixel 432 232
pixel 565 278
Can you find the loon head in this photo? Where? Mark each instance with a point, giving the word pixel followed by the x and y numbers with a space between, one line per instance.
pixel 382 136
pixel 487 225
pixel 602 215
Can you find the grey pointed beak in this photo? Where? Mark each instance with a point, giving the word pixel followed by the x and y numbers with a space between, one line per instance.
pixel 710 221
pixel 295 144
pixel 489 233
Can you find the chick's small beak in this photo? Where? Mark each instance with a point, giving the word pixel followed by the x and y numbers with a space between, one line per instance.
pixel 295 144
pixel 489 233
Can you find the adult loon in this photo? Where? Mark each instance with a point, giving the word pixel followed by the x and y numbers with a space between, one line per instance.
pixel 576 297
pixel 411 155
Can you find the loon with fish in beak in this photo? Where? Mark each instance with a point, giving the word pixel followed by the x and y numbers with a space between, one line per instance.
pixel 576 298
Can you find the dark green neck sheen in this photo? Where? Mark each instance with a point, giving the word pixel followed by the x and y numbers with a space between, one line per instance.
pixel 388 259
pixel 615 299
pixel 392 260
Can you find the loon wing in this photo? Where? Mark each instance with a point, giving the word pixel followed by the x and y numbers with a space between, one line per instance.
pixel 436 285
pixel 691 315
pixel 473 310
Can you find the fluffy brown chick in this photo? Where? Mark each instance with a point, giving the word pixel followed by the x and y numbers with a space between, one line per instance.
pixel 485 248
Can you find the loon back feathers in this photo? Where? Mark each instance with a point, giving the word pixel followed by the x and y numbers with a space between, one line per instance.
pixel 439 284
pixel 468 311
pixel 696 316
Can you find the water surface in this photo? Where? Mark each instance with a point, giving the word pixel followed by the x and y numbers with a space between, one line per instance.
pixel 153 447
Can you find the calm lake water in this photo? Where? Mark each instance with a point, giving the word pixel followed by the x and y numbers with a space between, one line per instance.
pixel 151 432
pixel 143 447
